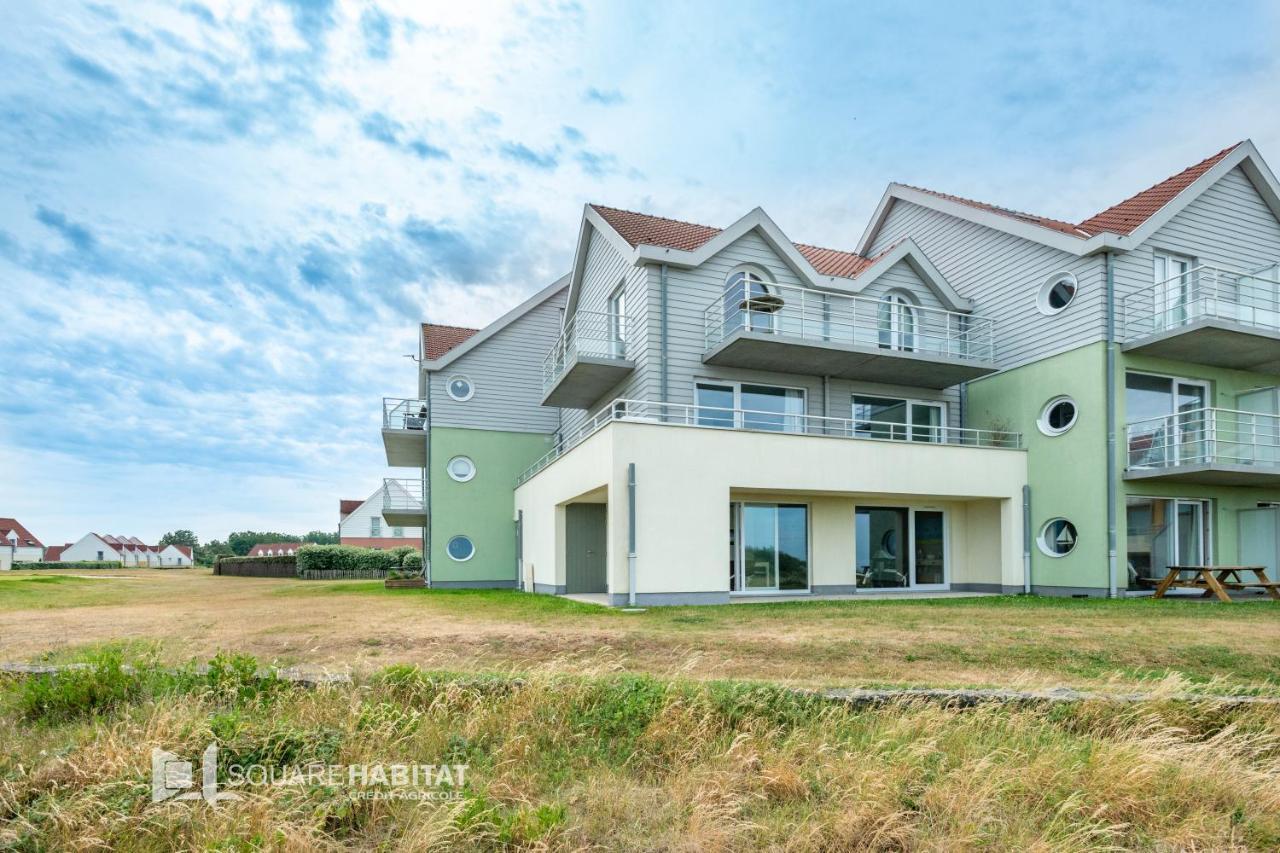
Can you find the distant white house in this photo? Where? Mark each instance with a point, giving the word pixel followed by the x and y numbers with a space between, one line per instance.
pixel 126 550
pixel 25 547
pixel 360 523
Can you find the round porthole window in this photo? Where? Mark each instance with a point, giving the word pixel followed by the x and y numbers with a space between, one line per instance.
pixel 1058 416
pixel 460 548
pixel 1057 537
pixel 1057 293
pixel 461 468
pixel 460 388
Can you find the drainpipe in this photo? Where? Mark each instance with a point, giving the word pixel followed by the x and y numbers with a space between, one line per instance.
pixel 1026 539
pixel 631 534
pixel 1112 485
pixel 520 550
pixel 662 335
pixel 426 492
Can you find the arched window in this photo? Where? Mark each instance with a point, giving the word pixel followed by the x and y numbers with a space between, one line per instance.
pixel 748 303
pixel 897 321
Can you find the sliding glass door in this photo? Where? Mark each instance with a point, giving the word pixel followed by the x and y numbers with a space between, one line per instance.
pixel 1164 532
pixel 773 554
pixel 901 548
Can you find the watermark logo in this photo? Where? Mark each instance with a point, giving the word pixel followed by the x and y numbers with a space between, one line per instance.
pixel 172 778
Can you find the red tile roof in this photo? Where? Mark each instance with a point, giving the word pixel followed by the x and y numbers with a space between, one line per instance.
pixel 263 547
pixel 1124 217
pixel 346 507
pixel 641 228
pixel 439 339
pixel 11 529
pixel 53 553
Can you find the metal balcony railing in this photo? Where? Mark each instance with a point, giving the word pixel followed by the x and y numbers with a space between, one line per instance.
pixel 399 413
pixel 403 495
pixel 821 316
pixel 599 334
pixel 1205 436
pixel 1205 292
pixel 692 415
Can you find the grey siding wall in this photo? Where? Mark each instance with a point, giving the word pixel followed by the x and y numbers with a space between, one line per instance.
pixel 1003 274
pixel 1229 225
pixel 691 291
pixel 506 371
pixel 604 270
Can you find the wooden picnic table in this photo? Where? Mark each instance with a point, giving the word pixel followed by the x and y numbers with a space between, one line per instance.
pixel 1216 580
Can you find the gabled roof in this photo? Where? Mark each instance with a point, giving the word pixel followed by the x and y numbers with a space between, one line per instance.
pixel 53 553
pixel 347 506
pixel 1120 227
pixel 657 239
pixel 1124 217
pixel 10 528
pixel 644 229
pixel 262 547
pixel 438 339
pixel 478 337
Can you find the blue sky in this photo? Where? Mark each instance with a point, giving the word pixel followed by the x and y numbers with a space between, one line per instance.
pixel 219 223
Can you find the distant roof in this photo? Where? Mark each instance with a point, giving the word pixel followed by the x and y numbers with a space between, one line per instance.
pixel 262 547
pixel 1123 218
pixel 439 339
pixel 644 229
pixel 11 529
pixel 53 553
pixel 348 506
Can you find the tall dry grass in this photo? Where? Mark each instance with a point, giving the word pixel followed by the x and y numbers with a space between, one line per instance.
pixel 618 762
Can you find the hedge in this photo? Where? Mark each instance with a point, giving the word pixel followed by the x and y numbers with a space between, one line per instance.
pixel 347 558
pixel 274 566
pixel 82 564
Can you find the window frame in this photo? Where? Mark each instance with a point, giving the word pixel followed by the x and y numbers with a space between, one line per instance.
pixel 892 333
pixel 1046 290
pixel 449 553
pixel 616 307
pixel 1044 529
pixel 448 468
pixel 737 408
pixel 448 387
pixel 909 427
pixel 738 555
pixel 1042 422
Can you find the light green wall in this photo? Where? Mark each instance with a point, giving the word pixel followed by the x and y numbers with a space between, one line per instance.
pixel 481 508
pixel 1067 473
pixel 1225 386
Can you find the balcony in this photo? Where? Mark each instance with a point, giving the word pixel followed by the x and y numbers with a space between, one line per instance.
pixel 1208 315
pixel 404 432
pixel 588 359
pixel 1208 446
pixel 745 420
pixel 800 330
pixel 403 504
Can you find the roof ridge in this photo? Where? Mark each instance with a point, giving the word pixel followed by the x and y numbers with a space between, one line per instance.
pixel 1034 218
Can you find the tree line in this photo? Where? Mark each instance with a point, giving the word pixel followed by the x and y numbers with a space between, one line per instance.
pixel 239 543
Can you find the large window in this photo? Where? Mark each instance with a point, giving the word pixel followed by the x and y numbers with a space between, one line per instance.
pixel 764 407
pixel 748 302
pixel 897 322
pixel 1172 276
pixel 769 547
pixel 888 417
pixel 1168 419
pixel 618 322
pixel 1164 532
pixel 897 547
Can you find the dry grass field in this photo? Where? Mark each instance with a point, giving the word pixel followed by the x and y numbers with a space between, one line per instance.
pixel 358 626
pixel 588 729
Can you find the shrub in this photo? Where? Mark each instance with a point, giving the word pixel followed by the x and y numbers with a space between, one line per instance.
pixel 274 559
pixel 346 558
pixel 412 561
pixel 100 686
pixel 81 564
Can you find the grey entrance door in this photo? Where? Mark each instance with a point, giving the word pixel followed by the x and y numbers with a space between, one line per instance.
pixel 585 548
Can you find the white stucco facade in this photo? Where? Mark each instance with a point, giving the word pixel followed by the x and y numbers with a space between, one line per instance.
pixel 687 477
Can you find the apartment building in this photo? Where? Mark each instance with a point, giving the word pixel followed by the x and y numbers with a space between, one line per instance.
pixel 361 522
pixel 972 398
